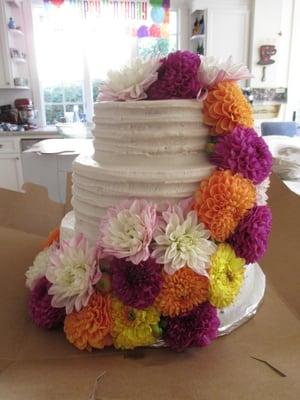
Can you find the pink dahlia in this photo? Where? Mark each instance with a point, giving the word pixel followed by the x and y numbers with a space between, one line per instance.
pixel 40 309
pixel 213 71
pixel 136 285
pixel 194 328
pixel 250 239
pixel 127 229
pixel 177 77
pixel 244 152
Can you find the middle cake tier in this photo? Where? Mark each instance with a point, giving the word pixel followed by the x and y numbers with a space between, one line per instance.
pixel 153 150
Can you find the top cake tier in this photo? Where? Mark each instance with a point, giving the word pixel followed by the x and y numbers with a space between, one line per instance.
pixel 155 134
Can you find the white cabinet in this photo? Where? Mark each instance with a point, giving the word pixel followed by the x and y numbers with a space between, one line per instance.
pixel 227 27
pixel 11 176
pixel 11 171
pixel 228 34
pixel 14 71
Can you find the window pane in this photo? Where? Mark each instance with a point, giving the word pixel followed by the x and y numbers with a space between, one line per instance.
pixel 173 23
pixel 73 93
pixel 153 47
pixel 172 43
pixel 96 87
pixel 53 94
pixel 54 112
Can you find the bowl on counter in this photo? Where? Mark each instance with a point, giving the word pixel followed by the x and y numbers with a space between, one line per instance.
pixel 75 130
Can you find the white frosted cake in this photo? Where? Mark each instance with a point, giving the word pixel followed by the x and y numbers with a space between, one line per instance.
pixel 170 214
pixel 149 149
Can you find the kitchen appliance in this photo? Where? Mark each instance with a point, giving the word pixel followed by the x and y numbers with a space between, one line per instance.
pixel 8 114
pixel 27 116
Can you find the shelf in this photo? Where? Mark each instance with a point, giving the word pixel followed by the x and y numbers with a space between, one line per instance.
pixel 16 32
pixel 21 87
pixel 19 60
pixel 15 87
pixel 196 37
pixel 14 3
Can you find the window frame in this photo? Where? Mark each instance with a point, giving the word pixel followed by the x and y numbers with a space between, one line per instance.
pixel 87 81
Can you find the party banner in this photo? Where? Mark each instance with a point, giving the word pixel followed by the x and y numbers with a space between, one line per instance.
pixel 147 20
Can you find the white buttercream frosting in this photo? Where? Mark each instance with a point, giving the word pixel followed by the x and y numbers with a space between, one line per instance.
pixel 147 149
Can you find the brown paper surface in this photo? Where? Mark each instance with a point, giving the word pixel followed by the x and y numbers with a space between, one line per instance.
pixel 36 364
pixel 31 211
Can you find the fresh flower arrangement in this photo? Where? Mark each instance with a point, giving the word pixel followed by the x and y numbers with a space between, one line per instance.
pixel 159 273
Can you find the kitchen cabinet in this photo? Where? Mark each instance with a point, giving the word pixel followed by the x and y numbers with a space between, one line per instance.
pixel 11 171
pixel 226 28
pixel 14 71
pixel 228 34
pixel 11 176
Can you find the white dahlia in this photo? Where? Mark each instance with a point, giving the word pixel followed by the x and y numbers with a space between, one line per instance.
pixel 213 70
pixel 261 192
pixel 131 82
pixel 72 272
pixel 181 241
pixel 38 269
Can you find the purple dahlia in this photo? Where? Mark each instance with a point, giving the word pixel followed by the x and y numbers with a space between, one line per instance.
pixel 250 238
pixel 40 309
pixel 136 285
pixel 194 328
pixel 244 152
pixel 177 77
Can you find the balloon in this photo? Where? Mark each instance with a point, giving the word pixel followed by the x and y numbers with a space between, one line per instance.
pixel 155 30
pixel 157 3
pixel 142 31
pixel 164 31
pixel 57 2
pixel 157 14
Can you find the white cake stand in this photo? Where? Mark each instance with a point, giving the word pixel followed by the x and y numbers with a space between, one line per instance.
pixel 246 303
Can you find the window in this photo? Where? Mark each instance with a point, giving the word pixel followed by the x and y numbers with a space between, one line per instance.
pixel 73 58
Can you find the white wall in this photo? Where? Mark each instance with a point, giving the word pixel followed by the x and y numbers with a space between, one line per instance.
pixel 183 8
pixel 294 66
pixel 272 23
pixel 8 96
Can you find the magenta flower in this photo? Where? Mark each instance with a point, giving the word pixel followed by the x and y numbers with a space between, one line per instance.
pixel 40 309
pixel 127 229
pixel 136 285
pixel 250 239
pixel 244 152
pixel 177 77
pixel 195 328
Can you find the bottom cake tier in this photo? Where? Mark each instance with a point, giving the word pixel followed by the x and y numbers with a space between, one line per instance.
pixel 246 303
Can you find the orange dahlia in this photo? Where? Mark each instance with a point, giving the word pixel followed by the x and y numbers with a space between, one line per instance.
pixel 181 292
pixel 52 237
pixel 91 326
pixel 222 200
pixel 226 107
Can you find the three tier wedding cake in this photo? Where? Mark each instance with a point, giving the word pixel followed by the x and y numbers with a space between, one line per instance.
pixel 170 214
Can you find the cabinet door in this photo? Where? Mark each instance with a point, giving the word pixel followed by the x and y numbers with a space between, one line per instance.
pixel 5 75
pixel 228 34
pixel 10 172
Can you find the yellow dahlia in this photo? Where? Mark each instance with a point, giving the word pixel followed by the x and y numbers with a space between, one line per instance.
pixel 226 107
pixel 226 276
pixel 133 327
pixel 222 200
pixel 181 292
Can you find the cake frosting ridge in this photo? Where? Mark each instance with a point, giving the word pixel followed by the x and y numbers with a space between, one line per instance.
pixel 148 149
